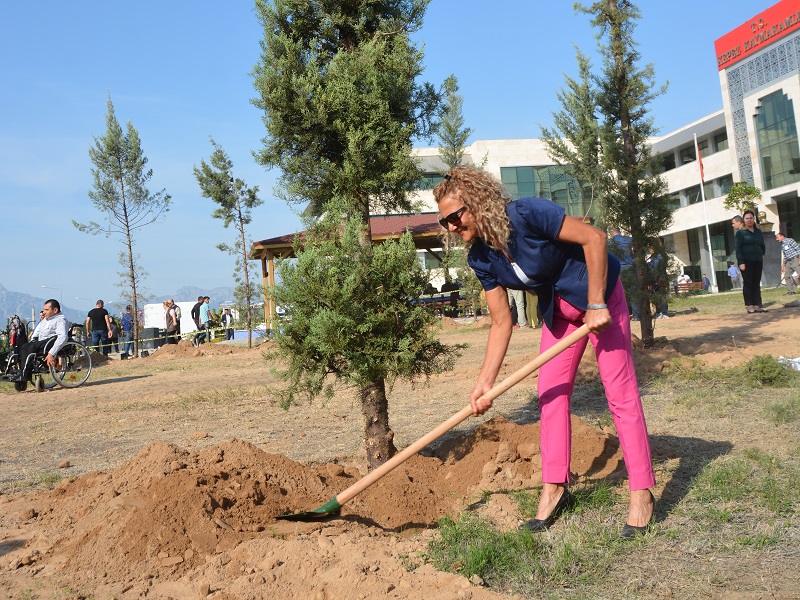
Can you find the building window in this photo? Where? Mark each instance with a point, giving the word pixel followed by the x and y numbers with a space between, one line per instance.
pixel 693 195
pixel 518 181
pixel 674 200
pixel 725 184
pixel 668 161
pixel 708 190
pixel 721 141
pixel 776 131
pixel 687 154
pixel 704 149
pixel 429 181
pixel 429 260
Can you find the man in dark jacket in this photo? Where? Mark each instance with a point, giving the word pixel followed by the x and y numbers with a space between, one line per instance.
pixel 196 318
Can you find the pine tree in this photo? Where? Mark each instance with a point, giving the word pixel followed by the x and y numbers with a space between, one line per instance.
pixel 337 84
pixel 453 135
pixel 236 202
pixel 605 122
pixel 451 131
pixel 120 193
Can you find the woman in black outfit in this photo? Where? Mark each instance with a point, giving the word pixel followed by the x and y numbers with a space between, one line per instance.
pixel 750 255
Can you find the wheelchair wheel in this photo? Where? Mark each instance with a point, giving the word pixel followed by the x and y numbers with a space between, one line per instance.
pixel 20 386
pixel 74 365
pixel 44 375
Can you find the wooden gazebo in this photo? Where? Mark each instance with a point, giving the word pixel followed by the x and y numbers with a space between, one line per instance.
pixel 424 227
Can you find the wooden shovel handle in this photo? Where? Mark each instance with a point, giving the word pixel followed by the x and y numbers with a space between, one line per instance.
pixel 513 379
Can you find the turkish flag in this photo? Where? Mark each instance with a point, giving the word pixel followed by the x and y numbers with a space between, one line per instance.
pixel 700 160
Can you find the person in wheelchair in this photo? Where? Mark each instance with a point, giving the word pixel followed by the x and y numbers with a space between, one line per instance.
pixel 53 328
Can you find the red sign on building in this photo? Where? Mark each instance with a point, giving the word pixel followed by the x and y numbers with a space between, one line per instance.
pixel 759 32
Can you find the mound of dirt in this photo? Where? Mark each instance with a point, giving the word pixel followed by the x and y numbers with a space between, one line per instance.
pixel 185 348
pixel 173 523
pixel 448 323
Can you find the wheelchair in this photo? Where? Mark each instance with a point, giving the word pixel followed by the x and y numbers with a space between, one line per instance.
pixel 73 361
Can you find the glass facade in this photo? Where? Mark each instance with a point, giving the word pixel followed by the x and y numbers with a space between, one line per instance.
pixel 551 182
pixel 776 131
pixel 789 214
pixel 692 269
pixel 429 181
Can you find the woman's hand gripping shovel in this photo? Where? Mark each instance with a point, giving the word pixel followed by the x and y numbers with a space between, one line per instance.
pixel 332 507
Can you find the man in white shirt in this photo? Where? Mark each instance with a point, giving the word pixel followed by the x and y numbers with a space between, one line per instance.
pixel 53 326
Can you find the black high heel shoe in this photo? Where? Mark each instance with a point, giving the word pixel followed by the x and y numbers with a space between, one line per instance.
pixel 630 531
pixel 566 502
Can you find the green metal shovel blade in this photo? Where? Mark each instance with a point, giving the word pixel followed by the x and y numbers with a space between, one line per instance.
pixel 330 509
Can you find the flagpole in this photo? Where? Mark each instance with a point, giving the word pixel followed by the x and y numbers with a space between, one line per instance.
pixel 705 216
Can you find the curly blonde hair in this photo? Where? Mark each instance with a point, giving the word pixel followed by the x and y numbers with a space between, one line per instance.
pixel 486 200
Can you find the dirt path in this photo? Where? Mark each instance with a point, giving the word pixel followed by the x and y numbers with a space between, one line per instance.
pixel 190 459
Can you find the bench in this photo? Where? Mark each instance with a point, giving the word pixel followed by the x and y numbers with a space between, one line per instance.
pixel 685 288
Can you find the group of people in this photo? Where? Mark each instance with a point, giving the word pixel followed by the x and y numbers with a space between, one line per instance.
pixel 103 330
pixel 201 315
pixel 524 309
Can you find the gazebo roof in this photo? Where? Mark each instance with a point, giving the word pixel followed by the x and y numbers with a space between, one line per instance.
pixel 424 227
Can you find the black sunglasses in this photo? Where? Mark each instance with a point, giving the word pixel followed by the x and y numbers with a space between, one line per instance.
pixel 454 218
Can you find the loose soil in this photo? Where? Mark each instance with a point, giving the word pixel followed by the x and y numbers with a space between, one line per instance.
pixel 176 465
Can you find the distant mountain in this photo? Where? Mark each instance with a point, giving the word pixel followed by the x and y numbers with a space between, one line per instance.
pixel 190 293
pixel 27 306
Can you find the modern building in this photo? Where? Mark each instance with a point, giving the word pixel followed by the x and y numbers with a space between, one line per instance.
pixel 752 138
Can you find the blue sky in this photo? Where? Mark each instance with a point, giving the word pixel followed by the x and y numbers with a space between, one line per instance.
pixel 180 73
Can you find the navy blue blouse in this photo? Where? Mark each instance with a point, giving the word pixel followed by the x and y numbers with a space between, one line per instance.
pixel 555 267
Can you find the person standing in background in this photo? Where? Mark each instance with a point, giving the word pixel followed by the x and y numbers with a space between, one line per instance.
pixel 791 260
pixel 127 330
pixel 205 318
pixel 227 323
pixel 750 251
pixel 98 327
pixel 735 275
pixel 196 319
pixel 516 302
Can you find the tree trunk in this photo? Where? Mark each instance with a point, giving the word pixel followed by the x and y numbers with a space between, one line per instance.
pixel 247 291
pixel 378 437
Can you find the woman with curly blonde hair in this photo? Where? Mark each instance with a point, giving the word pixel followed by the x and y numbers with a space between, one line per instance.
pixel 530 244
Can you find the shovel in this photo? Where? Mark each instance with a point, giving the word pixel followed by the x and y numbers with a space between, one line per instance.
pixel 332 506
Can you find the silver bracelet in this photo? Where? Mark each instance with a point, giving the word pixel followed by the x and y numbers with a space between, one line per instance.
pixel 596 306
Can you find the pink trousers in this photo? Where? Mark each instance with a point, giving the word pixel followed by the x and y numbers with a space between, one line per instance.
pixel 615 362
